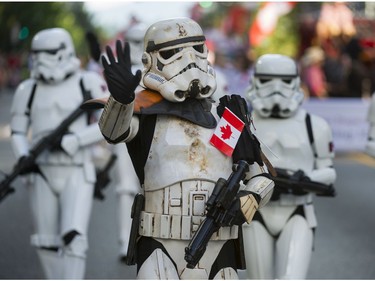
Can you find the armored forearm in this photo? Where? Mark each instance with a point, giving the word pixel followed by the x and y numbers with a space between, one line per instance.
pixel 115 120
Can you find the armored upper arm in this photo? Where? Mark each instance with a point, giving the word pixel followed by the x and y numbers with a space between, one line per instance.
pixel 371 111
pixel 324 154
pixel 19 108
pixel 97 87
pixel 20 119
pixel 94 83
pixel 371 119
pixel 370 145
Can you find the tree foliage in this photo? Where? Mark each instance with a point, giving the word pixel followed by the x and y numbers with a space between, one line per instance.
pixel 20 21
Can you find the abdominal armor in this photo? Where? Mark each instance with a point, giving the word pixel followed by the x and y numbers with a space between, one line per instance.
pixel 180 173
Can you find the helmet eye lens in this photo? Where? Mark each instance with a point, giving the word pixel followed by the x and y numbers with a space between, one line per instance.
pixel 199 48
pixel 50 52
pixel 169 53
pixel 264 80
pixel 287 81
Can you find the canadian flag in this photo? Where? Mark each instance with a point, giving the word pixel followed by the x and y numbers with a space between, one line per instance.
pixel 227 132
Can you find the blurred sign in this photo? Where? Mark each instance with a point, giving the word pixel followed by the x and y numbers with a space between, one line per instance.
pixel 347 118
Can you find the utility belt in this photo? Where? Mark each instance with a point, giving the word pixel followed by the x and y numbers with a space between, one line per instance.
pixel 178 227
pixel 293 200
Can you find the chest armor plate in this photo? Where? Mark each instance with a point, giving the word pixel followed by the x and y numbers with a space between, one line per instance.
pixel 180 151
pixel 53 103
pixel 288 140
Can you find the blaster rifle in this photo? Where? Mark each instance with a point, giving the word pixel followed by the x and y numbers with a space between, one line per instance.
pixel 103 179
pixel 222 196
pixel 298 183
pixel 44 144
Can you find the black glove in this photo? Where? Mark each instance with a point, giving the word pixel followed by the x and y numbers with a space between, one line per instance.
pixel 56 145
pixel 299 175
pixel 248 146
pixel 94 45
pixel 102 180
pixel 120 79
pixel 26 165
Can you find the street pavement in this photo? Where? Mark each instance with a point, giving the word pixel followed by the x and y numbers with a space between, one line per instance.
pixel 343 248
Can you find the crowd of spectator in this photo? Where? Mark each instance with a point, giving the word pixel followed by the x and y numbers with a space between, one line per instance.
pixel 333 60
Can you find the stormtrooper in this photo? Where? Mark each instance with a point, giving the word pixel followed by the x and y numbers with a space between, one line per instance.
pixel 63 178
pixel 370 145
pixel 127 183
pixel 167 127
pixel 279 241
pixel 122 174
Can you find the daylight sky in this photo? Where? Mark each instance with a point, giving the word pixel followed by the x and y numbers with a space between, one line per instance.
pixel 114 15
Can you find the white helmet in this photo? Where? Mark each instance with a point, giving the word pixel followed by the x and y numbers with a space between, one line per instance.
pixel 275 89
pixel 175 60
pixel 53 55
pixel 134 36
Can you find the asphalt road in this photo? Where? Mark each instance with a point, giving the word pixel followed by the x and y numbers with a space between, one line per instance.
pixel 344 247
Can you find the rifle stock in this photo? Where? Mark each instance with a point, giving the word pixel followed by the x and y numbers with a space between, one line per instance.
pixel 103 179
pixel 222 196
pixel 44 144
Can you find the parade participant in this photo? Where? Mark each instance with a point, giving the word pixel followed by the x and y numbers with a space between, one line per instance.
pixel 62 179
pixel 127 183
pixel 279 241
pixel 370 146
pixel 167 127
pixel 123 174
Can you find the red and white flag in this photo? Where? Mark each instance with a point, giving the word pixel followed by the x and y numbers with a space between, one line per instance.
pixel 227 132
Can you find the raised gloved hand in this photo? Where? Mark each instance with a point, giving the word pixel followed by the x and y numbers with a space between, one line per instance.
pixel 120 79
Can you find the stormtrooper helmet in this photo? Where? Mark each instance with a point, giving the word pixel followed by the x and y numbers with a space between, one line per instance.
pixel 275 90
pixel 175 60
pixel 53 55
pixel 134 36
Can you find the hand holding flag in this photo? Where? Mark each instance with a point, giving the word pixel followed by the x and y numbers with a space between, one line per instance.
pixel 227 132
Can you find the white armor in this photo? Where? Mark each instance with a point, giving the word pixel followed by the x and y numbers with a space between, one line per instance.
pixel 173 66
pixel 134 36
pixel 370 146
pixel 281 246
pixel 53 55
pixel 270 93
pixel 61 196
pixel 127 183
pixel 180 171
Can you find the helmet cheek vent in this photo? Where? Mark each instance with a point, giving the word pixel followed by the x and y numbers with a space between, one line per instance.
pixel 160 66
pixel 180 95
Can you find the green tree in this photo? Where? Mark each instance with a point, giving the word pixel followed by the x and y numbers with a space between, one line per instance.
pixel 20 21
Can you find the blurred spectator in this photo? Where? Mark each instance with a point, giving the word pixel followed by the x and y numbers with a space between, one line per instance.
pixel 221 80
pixel 335 19
pixel 239 72
pixel 336 67
pixel 3 72
pixel 357 70
pixel 14 65
pixel 307 32
pixel 312 73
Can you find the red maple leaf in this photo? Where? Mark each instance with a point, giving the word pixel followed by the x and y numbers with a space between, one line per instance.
pixel 226 132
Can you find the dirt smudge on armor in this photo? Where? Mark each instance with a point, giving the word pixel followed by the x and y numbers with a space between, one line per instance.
pixel 197 154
